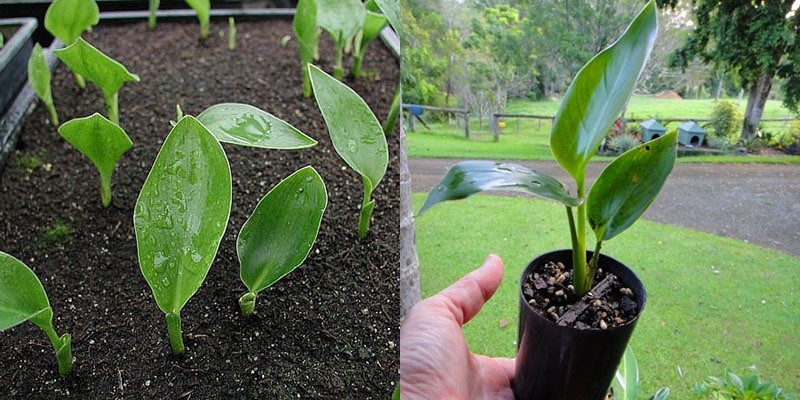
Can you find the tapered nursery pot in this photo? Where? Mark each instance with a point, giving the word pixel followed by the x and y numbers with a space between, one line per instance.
pixel 565 363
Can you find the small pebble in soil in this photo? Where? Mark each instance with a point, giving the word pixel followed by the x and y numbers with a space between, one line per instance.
pixel 603 324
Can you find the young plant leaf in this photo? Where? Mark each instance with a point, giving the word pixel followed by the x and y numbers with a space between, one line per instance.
pixel 102 141
pixel 67 19
pixel 355 133
pixel 39 79
pixel 203 10
pixel 86 60
pixel 469 177
pixel 180 217
pixel 307 33
pixel 626 380
pixel 373 24
pixel 342 19
pixel 246 125
pixel 628 185
pixel 22 298
pixel 599 91
pixel 279 234
pixel 391 9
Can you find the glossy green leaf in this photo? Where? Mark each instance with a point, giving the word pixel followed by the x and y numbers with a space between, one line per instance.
pixel 355 131
pixel 22 296
pixel 342 19
pixel 391 9
pixel 39 78
pixel 279 234
pixel 181 213
pixel 203 10
pixel 86 60
pixel 305 29
pixel 626 380
pixel 469 177
pixel 373 25
pixel 67 19
pixel 628 185
pixel 596 96
pixel 102 141
pixel 246 125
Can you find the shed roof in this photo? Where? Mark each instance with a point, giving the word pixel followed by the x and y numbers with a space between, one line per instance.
pixel 691 127
pixel 652 125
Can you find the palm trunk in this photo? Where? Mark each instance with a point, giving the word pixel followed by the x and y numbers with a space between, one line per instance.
pixel 756 100
pixel 409 263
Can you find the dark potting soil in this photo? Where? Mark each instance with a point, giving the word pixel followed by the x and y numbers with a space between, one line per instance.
pixel 549 291
pixel 328 330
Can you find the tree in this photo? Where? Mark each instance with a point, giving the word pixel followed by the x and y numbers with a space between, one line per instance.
pixel 757 40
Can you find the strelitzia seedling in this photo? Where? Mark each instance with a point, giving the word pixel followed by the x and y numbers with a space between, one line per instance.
pixel 374 22
pixel 231 34
pixel 307 34
pixel 152 6
pixel 245 125
pixel 99 68
pixel 100 140
pixel 67 19
pixel 39 79
pixel 342 19
pixel 203 10
pixel 356 135
pixel 279 234
pixel 22 298
pixel 180 218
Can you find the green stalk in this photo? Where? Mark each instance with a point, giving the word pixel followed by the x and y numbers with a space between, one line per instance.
pixel 151 19
pixel 306 81
pixel 248 303
pixel 338 69
pixel 51 108
pixel 112 105
pixel 394 112
pixel 580 278
pixel 204 30
pixel 79 80
pixel 593 262
pixel 231 34
pixel 358 59
pixel 367 206
pixel 63 348
pixel 105 189
pixel 175 333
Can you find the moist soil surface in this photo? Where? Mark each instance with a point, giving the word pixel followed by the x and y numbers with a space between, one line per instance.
pixel 328 330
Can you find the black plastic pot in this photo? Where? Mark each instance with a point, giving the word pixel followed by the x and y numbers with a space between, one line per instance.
pixel 563 363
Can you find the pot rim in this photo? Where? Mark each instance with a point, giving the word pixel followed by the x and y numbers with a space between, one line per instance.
pixel 590 331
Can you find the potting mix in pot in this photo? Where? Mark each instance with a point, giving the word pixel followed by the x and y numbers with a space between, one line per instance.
pixel 228 184
pixel 578 308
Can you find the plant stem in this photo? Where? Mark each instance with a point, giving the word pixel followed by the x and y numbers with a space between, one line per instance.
pixel 582 281
pixel 112 105
pixel 151 19
pixel 204 29
pixel 231 34
pixel 248 303
pixel 51 108
pixel 394 112
pixel 572 234
pixel 367 206
pixel 105 189
pixel 63 348
pixel 338 70
pixel 595 259
pixel 175 334
pixel 306 81
pixel 79 80
pixel 357 60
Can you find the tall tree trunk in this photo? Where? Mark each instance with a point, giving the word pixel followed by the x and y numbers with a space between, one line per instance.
pixel 756 100
pixel 409 263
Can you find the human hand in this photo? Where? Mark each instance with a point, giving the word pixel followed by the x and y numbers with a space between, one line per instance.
pixel 435 362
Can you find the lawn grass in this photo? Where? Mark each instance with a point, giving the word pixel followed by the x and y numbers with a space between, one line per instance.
pixel 525 139
pixel 747 315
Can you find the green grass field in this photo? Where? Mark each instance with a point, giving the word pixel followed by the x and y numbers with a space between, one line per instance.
pixel 746 316
pixel 529 139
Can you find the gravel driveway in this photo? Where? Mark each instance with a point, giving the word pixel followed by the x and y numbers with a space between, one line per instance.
pixel 755 203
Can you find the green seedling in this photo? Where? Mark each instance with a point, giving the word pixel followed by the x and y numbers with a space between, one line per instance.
pixel 245 125
pixel 625 385
pixel 307 33
pixel 56 235
pixel 100 140
pixel 152 6
pixel 627 186
pixel 203 10
pixel 39 78
pixel 374 22
pixel 180 218
pixel 231 34
pixel 356 135
pixel 279 234
pixel 342 19
pixel 22 298
pixel 67 19
pixel 391 9
pixel 97 67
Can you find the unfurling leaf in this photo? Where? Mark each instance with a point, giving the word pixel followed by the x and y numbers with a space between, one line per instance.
pixel 279 234
pixel 203 10
pixel 246 125
pixel 67 19
pixel 100 140
pixel 469 177
pixel 39 79
pixel 305 29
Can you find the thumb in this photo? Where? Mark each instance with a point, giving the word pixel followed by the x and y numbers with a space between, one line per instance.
pixel 466 297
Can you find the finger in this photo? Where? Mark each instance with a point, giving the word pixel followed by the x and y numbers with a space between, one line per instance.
pixel 506 365
pixel 466 297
